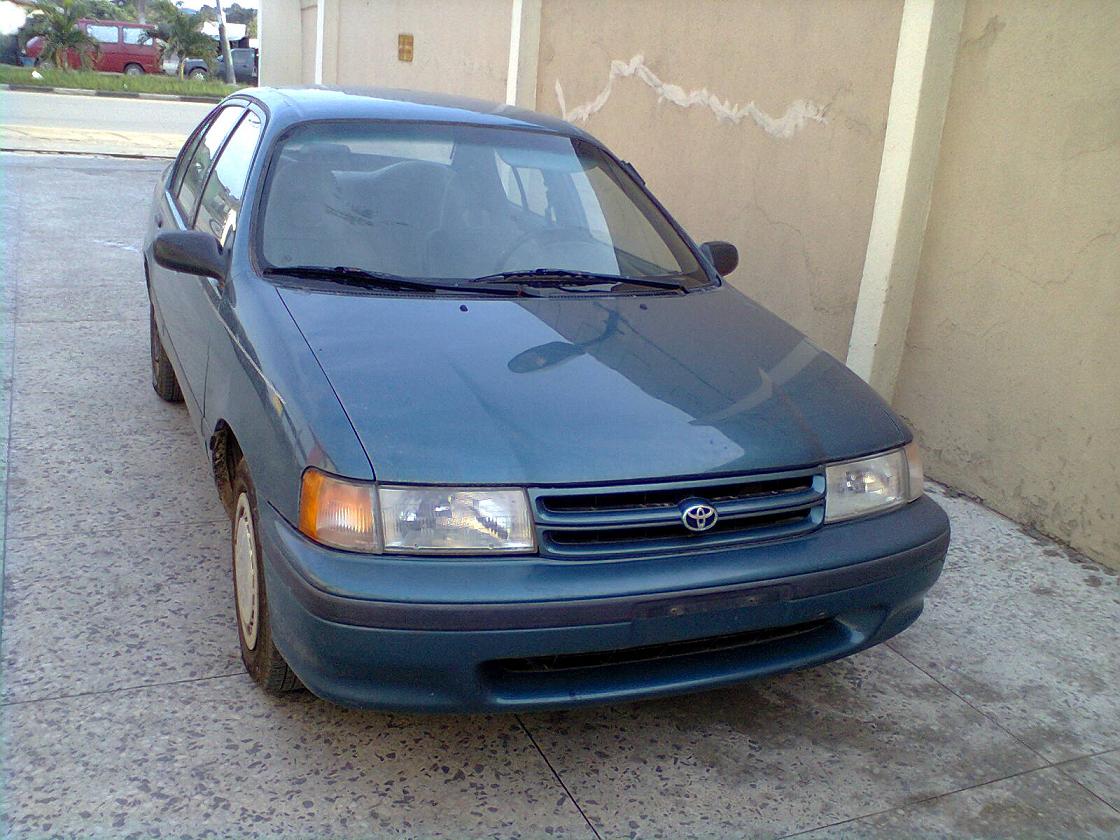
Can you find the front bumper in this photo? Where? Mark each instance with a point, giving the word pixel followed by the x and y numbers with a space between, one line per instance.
pixel 476 634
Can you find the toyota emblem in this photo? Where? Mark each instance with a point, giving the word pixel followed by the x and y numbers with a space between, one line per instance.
pixel 698 516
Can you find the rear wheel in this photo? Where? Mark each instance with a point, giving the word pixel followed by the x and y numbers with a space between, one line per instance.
pixel 198 75
pixel 262 660
pixel 163 375
pixel 133 70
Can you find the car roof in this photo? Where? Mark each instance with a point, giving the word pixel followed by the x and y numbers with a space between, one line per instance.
pixel 293 105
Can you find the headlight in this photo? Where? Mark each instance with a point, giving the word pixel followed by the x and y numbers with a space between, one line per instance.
pixel 871 485
pixel 437 520
pixel 413 520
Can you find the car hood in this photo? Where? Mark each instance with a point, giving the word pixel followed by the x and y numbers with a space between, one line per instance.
pixel 584 388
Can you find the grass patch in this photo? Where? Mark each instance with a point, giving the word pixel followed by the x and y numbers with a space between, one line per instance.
pixel 88 80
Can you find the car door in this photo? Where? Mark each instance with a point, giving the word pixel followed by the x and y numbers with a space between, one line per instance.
pixel 218 214
pixel 242 64
pixel 138 47
pixel 184 301
pixel 107 36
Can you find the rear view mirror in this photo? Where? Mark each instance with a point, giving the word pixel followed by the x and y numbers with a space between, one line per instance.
pixel 190 252
pixel 723 255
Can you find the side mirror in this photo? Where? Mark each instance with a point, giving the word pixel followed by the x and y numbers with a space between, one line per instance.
pixel 723 255
pixel 190 252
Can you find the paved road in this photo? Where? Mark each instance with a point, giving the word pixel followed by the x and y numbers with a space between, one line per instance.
pixel 57 122
pixel 124 709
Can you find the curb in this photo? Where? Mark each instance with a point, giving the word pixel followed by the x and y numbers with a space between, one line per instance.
pixel 13 150
pixel 116 94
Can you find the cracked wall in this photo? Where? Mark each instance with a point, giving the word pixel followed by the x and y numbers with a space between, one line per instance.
pixel 1010 374
pixel 755 122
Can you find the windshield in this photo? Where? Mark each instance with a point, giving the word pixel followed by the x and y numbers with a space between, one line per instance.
pixel 460 202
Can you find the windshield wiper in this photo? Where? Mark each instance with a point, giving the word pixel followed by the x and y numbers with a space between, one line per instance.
pixel 350 276
pixel 567 277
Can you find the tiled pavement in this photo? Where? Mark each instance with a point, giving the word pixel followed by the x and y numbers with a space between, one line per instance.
pixel 125 711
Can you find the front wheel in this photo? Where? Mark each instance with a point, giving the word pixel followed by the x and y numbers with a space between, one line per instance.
pixel 133 70
pixel 198 75
pixel 262 660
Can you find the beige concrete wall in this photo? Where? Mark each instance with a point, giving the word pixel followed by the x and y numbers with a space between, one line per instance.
pixel 280 61
pixel 308 25
pixel 792 183
pixel 1011 374
pixel 461 46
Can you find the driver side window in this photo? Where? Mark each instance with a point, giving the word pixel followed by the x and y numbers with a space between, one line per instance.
pixel 201 158
pixel 221 200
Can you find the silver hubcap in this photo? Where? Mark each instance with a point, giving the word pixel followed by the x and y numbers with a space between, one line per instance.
pixel 245 572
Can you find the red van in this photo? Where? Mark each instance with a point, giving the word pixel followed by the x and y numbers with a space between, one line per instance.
pixel 121 47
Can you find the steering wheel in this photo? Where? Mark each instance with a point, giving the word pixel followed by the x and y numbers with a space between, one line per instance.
pixel 548 236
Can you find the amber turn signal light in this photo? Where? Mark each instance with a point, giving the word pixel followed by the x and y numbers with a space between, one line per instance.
pixel 337 512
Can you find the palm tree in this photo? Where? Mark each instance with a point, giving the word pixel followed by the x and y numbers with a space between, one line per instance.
pixel 56 22
pixel 180 33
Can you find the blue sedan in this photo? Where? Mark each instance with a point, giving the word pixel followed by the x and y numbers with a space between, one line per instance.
pixel 494 433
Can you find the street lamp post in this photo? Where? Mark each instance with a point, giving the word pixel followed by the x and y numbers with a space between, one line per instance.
pixel 223 40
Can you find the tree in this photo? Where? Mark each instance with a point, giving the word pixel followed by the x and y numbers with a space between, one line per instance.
pixel 110 10
pixel 56 22
pixel 180 32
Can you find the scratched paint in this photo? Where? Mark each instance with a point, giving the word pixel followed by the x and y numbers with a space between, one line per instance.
pixel 797 115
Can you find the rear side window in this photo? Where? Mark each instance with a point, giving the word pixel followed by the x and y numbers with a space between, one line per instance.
pixel 198 164
pixel 221 200
pixel 103 34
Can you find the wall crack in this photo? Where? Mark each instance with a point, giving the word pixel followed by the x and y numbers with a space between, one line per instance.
pixel 797 115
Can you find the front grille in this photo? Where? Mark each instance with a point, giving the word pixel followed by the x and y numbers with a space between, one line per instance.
pixel 591 523
pixel 650 653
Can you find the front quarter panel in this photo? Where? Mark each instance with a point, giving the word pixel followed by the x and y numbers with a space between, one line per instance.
pixel 265 384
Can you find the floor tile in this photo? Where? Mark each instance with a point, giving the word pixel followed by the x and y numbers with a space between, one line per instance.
pixel 83 380
pixel 1100 774
pixel 775 756
pixel 1025 632
pixel 219 758
pixel 1037 805
pixel 67 486
pixel 90 612
pixel 90 299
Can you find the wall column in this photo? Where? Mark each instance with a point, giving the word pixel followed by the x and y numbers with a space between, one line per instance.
pixel 326 42
pixel 923 74
pixel 281 53
pixel 524 49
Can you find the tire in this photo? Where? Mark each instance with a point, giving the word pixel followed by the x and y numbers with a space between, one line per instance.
pixel 133 70
pixel 163 375
pixel 45 64
pixel 198 75
pixel 262 660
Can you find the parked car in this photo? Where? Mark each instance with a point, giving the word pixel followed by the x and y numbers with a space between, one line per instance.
pixel 244 66
pixel 493 433
pixel 122 47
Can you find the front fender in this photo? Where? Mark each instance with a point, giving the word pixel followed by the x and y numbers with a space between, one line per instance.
pixel 264 383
